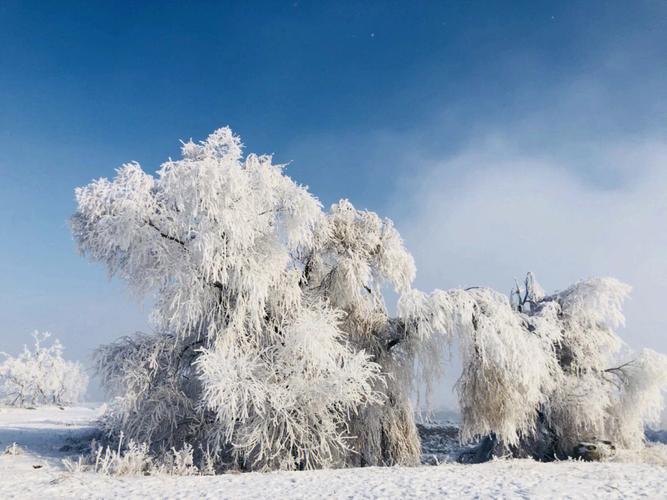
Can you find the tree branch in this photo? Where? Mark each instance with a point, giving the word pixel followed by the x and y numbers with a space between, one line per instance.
pixel 150 223
pixel 620 367
pixel 165 235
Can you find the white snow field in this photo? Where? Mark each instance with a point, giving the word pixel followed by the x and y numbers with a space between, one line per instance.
pixel 45 436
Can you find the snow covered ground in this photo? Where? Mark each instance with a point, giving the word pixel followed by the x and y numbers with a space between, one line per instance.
pixel 47 435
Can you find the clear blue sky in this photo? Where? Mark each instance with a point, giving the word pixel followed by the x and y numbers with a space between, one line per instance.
pixel 366 99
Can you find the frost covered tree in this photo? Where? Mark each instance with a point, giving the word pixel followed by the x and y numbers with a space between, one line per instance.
pixel 359 256
pixel 41 376
pixel 544 372
pixel 272 347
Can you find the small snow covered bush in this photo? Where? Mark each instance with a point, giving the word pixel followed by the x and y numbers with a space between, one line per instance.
pixel 132 458
pixel 13 449
pixel 41 376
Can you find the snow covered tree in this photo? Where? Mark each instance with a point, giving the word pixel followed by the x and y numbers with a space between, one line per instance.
pixel 543 373
pixel 273 348
pixel 360 254
pixel 41 376
pixel 271 334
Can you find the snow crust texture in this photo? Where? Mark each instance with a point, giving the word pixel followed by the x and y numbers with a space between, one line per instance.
pixel 500 479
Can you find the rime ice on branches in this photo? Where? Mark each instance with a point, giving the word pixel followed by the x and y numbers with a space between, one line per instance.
pixel 543 373
pixel 273 348
pixel 41 376
pixel 264 307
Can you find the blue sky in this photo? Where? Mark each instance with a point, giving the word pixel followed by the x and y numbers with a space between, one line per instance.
pixel 406 108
